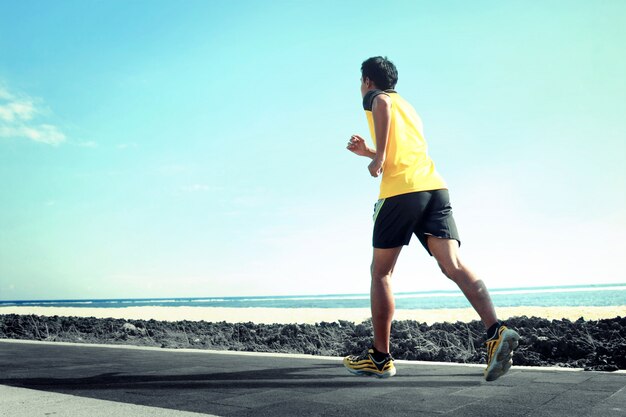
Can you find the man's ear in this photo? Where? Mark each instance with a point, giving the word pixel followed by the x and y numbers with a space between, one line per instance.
pixel 369 83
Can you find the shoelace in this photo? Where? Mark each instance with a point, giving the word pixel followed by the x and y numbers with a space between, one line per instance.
pixel 366 355
pixel 363 356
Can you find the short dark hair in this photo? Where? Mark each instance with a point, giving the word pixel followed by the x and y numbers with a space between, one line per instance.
pixel 381 71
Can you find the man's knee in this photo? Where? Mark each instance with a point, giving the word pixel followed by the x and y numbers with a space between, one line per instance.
pixel 453 270
pixel 380 273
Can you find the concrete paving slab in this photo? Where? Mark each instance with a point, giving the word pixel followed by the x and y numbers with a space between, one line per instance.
pixel 493 408
pixel 576 396
pixel 572 378
pixel 239 385
pixel 23 402
pixel 617 399
pixel 611 383
pixel 428 401
pixel 300 408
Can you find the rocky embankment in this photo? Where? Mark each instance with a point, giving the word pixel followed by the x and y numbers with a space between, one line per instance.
pixel 593 345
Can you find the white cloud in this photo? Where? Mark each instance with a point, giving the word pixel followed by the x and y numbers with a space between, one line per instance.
pixel 17 120
pixel 44 133
pixel 4 94
pixel 17 110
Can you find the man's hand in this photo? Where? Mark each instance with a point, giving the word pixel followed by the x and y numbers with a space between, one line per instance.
pixel 357 145
pixel 375 167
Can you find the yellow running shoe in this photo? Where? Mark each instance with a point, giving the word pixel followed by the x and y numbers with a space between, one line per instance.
pixel 500 352
pixel 365 364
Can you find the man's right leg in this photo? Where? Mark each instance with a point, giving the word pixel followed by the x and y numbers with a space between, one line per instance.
pixel 503 341
pixel 445 251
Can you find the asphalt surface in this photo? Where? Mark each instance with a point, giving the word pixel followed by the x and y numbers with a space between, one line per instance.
pixel 181 382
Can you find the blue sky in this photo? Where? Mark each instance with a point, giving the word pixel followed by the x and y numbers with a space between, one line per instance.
pixel 197 148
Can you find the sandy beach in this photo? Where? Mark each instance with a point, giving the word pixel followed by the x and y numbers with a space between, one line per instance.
pixel 311 315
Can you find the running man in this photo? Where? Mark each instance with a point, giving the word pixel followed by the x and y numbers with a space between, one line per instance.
pixel 413 200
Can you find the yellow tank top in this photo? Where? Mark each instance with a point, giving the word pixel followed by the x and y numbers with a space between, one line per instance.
pixel 407 167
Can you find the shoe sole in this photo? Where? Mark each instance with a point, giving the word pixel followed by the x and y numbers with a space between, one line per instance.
pixel 503 358
pixel 386 374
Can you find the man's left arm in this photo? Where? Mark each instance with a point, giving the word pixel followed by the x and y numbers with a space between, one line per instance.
pixel 381 112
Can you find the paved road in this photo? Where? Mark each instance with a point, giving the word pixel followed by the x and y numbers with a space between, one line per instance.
pixel 240 385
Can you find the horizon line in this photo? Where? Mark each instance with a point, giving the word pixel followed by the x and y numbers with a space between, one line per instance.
pixel 336 295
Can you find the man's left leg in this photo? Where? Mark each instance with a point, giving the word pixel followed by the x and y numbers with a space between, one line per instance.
pixel 381 295
pixel 377 361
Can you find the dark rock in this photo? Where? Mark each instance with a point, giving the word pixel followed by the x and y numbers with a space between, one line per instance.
pixel 597 345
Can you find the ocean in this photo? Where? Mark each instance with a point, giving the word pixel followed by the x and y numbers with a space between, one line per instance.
pixel 574 296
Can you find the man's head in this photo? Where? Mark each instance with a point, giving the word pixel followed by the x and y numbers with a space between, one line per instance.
pixel 378 72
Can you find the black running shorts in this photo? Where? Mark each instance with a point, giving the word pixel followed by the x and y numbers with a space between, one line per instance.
pixel 423 213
